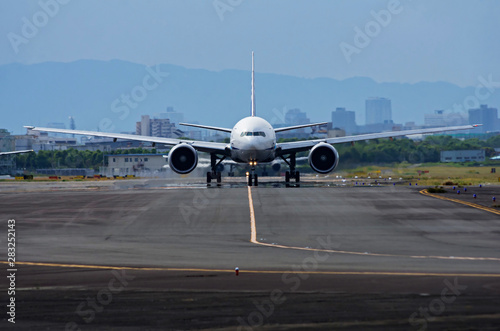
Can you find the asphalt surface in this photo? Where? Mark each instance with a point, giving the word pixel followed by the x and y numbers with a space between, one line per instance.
pixel 324 257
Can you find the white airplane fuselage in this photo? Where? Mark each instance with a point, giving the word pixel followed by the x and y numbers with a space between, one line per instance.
pixel 253 140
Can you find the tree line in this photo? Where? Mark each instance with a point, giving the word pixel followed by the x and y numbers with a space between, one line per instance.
pixel 401 150
pixel 71 158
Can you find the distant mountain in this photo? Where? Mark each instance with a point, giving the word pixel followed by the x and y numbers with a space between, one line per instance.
pixel 91 92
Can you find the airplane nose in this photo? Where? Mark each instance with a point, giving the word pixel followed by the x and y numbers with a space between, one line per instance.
pixel 252 145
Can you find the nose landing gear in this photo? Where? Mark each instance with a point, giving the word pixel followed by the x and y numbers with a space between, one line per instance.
pixel 253 179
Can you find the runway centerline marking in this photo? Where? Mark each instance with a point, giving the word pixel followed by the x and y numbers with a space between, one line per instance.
pixel 253 229
pixel 253 239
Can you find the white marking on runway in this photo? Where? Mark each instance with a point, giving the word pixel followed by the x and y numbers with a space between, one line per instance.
pixel 253 239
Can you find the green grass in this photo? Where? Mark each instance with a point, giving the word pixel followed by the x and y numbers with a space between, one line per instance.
pixel 438 174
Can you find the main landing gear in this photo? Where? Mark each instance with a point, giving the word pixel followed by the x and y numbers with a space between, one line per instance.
pixel 292 174
pixel 214 174
pixel 253 179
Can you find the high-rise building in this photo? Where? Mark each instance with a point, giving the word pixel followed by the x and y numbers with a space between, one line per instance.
pixel 436 119
pixel 144 126
pixel 344 119
pixel 296 117
pixel 7 142
pixel 486 116
pixel 157 128
pixel 173 116
pixel 440 118
pixel 378 110
pixel 72 124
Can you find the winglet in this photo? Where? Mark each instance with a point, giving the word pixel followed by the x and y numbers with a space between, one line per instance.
pixel 253 88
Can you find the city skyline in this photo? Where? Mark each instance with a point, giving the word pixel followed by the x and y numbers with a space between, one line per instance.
pixel 340 118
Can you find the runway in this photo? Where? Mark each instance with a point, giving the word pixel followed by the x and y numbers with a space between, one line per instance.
pixel 361 241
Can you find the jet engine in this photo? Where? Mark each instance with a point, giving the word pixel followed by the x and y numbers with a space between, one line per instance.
pixel 183 158
pixel 276 166
pixel 323 158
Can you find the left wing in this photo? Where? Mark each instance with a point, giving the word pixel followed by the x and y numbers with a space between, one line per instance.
pixel 16 152
pixel 304 145
pixel 202 146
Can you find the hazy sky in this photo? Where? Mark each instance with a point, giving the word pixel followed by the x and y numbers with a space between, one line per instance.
pixel 419 40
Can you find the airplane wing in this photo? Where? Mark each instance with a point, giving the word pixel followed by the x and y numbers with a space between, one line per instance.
pixel 16 152
pixel 304 145
pixel 202 146
pixel 298 126
pixel 207 127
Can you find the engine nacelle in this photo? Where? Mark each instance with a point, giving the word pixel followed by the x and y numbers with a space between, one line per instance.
pixel 276 166
pixel 220 168
pixel 323 158
pixel 183 158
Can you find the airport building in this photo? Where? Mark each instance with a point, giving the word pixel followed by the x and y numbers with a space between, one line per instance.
pixel 463 156
pixel 134 164
pixel 41 141
pixel 35 140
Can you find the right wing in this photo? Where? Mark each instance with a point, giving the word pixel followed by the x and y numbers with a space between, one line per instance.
pixel 202 146
pixel 207 127
pixel 304 145
pixel 16 152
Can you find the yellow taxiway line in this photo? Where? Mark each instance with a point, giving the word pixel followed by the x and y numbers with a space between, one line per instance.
pixel 470 204
pixel 361 273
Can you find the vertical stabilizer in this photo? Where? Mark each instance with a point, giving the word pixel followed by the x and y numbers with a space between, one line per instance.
pixel 253 88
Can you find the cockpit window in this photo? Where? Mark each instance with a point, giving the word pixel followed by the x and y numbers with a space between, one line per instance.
pixel 255 134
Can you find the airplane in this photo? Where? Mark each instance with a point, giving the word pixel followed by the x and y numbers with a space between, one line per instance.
pixel 16 152
pixel 252 142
